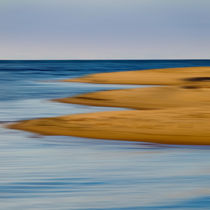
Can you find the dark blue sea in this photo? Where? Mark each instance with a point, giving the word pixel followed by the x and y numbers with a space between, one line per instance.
pixel 62 173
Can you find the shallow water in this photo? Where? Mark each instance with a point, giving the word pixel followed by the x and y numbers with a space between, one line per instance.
pixel 38 172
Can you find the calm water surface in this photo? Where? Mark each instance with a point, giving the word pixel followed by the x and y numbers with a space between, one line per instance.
pixel 38 172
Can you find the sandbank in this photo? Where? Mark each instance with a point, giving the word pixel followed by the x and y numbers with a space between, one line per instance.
pixel 175 126
pixel 145 98
pixel 178 112
pixel 169 76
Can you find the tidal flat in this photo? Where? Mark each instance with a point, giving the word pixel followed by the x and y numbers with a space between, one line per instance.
pixel 178 112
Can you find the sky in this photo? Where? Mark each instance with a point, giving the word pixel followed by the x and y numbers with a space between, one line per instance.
pixel 104 29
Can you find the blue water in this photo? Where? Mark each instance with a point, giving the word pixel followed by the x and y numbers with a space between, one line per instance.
pixel 42 172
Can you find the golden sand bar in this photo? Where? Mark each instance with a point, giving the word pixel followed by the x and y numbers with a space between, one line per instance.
pixel 170 76
pixel 145 98
pixel 175 114
pixel 175 126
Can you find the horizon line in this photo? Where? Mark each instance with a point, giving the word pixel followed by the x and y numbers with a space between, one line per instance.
pixel 105 59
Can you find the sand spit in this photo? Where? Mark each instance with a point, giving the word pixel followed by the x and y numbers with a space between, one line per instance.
pixel 174 126
pixel 145 98
pixel 170 76
pixel 177 113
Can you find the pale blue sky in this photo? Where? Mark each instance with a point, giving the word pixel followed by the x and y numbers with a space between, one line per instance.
pixel 104 29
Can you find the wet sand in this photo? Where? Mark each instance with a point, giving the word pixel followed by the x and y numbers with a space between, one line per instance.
pixel 177 113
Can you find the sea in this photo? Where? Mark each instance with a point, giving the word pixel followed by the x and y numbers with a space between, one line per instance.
pixel 62 173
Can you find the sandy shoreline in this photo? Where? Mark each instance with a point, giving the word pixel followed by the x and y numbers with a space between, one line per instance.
pixel 177 113
pixel 145 98
pixel 169 76
pixel 175 126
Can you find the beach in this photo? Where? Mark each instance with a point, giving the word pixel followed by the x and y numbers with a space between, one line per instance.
pixel 167 76
pixel 67 172
pixel 177 112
